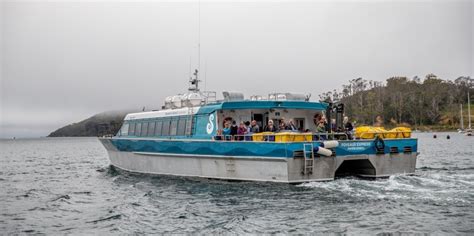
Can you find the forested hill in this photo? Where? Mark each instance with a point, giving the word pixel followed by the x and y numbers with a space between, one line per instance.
pixel 100 124
pixel 417 102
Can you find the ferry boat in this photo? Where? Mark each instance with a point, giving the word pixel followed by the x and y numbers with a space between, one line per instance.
pixel 184 139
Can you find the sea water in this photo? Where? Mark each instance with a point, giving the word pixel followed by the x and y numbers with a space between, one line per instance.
pixel 66 186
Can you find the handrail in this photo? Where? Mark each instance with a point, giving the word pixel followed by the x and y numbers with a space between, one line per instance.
pixel 274 136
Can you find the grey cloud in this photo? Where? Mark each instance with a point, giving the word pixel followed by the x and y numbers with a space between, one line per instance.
pixel 76 59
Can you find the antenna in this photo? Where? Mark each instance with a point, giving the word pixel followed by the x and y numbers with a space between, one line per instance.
pixel 199 35
pixel 189 73
pixel 205 77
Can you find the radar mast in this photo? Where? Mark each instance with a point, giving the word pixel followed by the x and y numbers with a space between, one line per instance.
pixel 194 82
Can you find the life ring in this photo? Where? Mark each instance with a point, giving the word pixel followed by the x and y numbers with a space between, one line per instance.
pixel 379 144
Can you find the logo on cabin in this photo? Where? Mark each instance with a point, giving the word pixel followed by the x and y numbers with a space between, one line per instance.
pixel 210 125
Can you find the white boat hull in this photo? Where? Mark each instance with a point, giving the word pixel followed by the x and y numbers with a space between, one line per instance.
pixel 285 170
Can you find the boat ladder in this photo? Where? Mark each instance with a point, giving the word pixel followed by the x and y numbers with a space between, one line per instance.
pixel 308 158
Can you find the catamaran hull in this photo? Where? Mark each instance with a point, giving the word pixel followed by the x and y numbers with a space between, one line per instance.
pixel 248 168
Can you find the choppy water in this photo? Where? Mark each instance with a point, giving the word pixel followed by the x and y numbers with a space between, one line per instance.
pixel 64 185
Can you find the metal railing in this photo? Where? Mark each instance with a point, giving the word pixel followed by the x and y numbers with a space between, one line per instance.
pixel 276 137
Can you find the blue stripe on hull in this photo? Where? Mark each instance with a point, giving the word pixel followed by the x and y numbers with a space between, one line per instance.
pixel 240 148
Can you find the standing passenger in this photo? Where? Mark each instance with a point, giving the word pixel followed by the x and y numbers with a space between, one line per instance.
pixel 282 125
pixel 348 127
pixel 247 125
pixel 270 127
pixel 233 129
pixel 292 126
pixel 226 131
pixel 241 131
pixel 255 128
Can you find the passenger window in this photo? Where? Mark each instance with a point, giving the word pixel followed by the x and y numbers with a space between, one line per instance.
pixel 173 129
pixel 138 129
pixel 181 127
pixel 124 129
pixel 151 128
pixel 144 128
pixel 131 130
pixel 158 128
pixel 166 128
pixel 189 123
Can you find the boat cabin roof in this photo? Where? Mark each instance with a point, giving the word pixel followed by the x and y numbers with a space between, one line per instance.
pixel 229 105
pixel 240 105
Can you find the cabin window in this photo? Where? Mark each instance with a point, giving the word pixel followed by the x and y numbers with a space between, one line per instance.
pixel 131 130
pixel 124 129
pixel 138 129
pixel 181 127
pixel 189 123
pixel 173 128
pixel 144 129
pixel 166 128
pixel 151 128
pixel 158 128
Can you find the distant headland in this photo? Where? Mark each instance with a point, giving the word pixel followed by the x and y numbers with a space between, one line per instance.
pixel 105 122
pixel 426 104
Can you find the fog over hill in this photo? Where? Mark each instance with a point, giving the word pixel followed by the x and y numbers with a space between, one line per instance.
pixel 106 122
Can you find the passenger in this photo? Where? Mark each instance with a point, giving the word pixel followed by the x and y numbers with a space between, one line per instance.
pixel 291 126
pixel 218 135
pixel 378 121
pixel 226 131
pixel 317 118
pixel 254 127
pixel 333 125
pixel 270 127
pixel 326 125
pixel 233 129
pixel 347 124
pixel 241 131
pixel 247 125
pixel 348 127
pixel 282 125
pixel 321 127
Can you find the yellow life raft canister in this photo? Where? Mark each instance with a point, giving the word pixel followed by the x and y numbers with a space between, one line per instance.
pixel 369 132
pixel 399 132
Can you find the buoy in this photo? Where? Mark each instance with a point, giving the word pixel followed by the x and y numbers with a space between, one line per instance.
pixel 329 144
pixel 322 151
pixel 448 137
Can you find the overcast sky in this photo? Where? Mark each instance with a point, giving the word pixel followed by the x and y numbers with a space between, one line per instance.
pixel 62 62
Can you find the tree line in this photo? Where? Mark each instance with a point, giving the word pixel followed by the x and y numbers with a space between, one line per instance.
pixel 404 101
